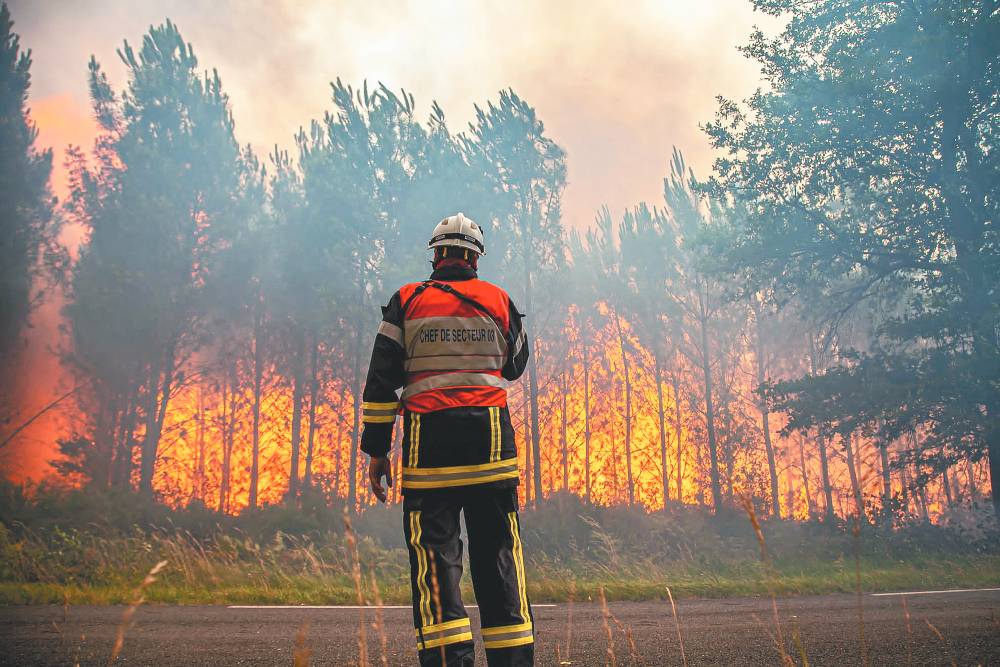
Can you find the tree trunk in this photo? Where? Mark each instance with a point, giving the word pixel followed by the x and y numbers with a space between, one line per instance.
pixel 675 385
pixel 298 397
pixel 258 379
pixel 228 400
pixel 565 438
pixel 810 510
pixel 528 469
pixel 713 447
pixel 201 446
pixel 883 453
pixel 918 483
pixel 586 423
pixel 356 391
pixel 536 444
pixel 338 462
pixel 125 443
pixel 946 485
pixel 859 500
pixel 313 396
pixel 628 412
pixel 156 413
pixel 993 451
pixel 765 423
pixel 821 442
pixel 664 474
pixel 970 478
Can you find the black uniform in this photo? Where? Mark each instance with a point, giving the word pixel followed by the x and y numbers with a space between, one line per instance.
pixel 457 458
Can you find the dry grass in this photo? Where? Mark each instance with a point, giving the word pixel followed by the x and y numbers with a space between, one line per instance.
pixel 352 544
pixel 777 637
pixel 302 654
pixel 611 660
pixel 129 613
pixel 677 624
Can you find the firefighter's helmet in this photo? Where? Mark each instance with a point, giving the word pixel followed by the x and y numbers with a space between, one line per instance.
pixel 458 231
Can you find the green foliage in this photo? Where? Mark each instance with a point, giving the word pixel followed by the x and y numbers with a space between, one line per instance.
pixel 27 228
pixel 868 167
pixel 95 547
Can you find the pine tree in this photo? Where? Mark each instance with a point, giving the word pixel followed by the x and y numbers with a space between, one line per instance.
pixel 27 226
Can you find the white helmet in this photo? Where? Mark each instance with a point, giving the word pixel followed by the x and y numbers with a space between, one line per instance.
pixel 457 230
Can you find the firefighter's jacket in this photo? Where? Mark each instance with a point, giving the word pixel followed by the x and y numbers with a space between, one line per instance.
pixel 450 343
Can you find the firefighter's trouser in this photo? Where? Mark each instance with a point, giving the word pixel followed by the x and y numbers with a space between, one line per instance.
pixel 496 558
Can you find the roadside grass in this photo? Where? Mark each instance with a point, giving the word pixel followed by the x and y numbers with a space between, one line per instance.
pixel 57 551
pixel 632 583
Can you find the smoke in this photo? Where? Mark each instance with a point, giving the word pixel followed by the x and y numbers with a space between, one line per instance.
pixel 615 88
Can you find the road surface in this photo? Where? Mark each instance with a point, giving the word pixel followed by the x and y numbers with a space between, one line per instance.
pixel 715 632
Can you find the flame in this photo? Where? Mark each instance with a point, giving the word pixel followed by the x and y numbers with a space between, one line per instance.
pixel 206 416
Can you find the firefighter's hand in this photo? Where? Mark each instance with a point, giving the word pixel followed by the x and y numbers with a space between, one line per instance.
pixel 378 467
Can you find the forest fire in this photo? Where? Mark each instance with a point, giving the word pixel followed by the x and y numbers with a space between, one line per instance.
pixel 207 440
pixel 218 352
pixel 759 386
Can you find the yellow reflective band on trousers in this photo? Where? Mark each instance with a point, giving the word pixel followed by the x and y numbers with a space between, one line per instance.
pixel 414 440
pixel 424 602
pixel 437 478
pixel 494 434
pixel 505 636
pixel 518 553
pixel 441 634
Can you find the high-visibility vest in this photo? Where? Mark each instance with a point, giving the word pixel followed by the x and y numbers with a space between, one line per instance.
pixel 455 338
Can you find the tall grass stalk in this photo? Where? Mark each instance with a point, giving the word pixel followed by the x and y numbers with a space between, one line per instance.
pixel 129 613
pixel 909 632
pixel 862 642
pixel 765 560
pixel 937 633
pixel 611 660
pixel 379 624
pixel 352 544
pixel 566 659
pixel 302 654
pixel 677 624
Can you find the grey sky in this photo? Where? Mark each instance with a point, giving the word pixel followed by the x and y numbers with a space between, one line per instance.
pixel 617 83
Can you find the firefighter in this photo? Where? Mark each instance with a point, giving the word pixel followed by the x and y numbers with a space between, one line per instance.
pixel 451 343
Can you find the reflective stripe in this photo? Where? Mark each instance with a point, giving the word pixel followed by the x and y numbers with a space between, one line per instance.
pixel 447 470
pixel 439 634
pixel 465 636
pixel 458 481
pixel 391 331
pixel 521 340
pixel 453 380
pixel 454 362
pixel 447 625
pixel 378 420
pixel 528 638
pixel 494 433
pixel 414 439
pixel 506 629
pixel 508 635
pixel 372 405
pixel 379 413
pixel 518 553
pixel 429 478
pixel 424 594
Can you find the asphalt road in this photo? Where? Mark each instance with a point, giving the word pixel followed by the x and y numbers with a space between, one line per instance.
pixel 715 632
